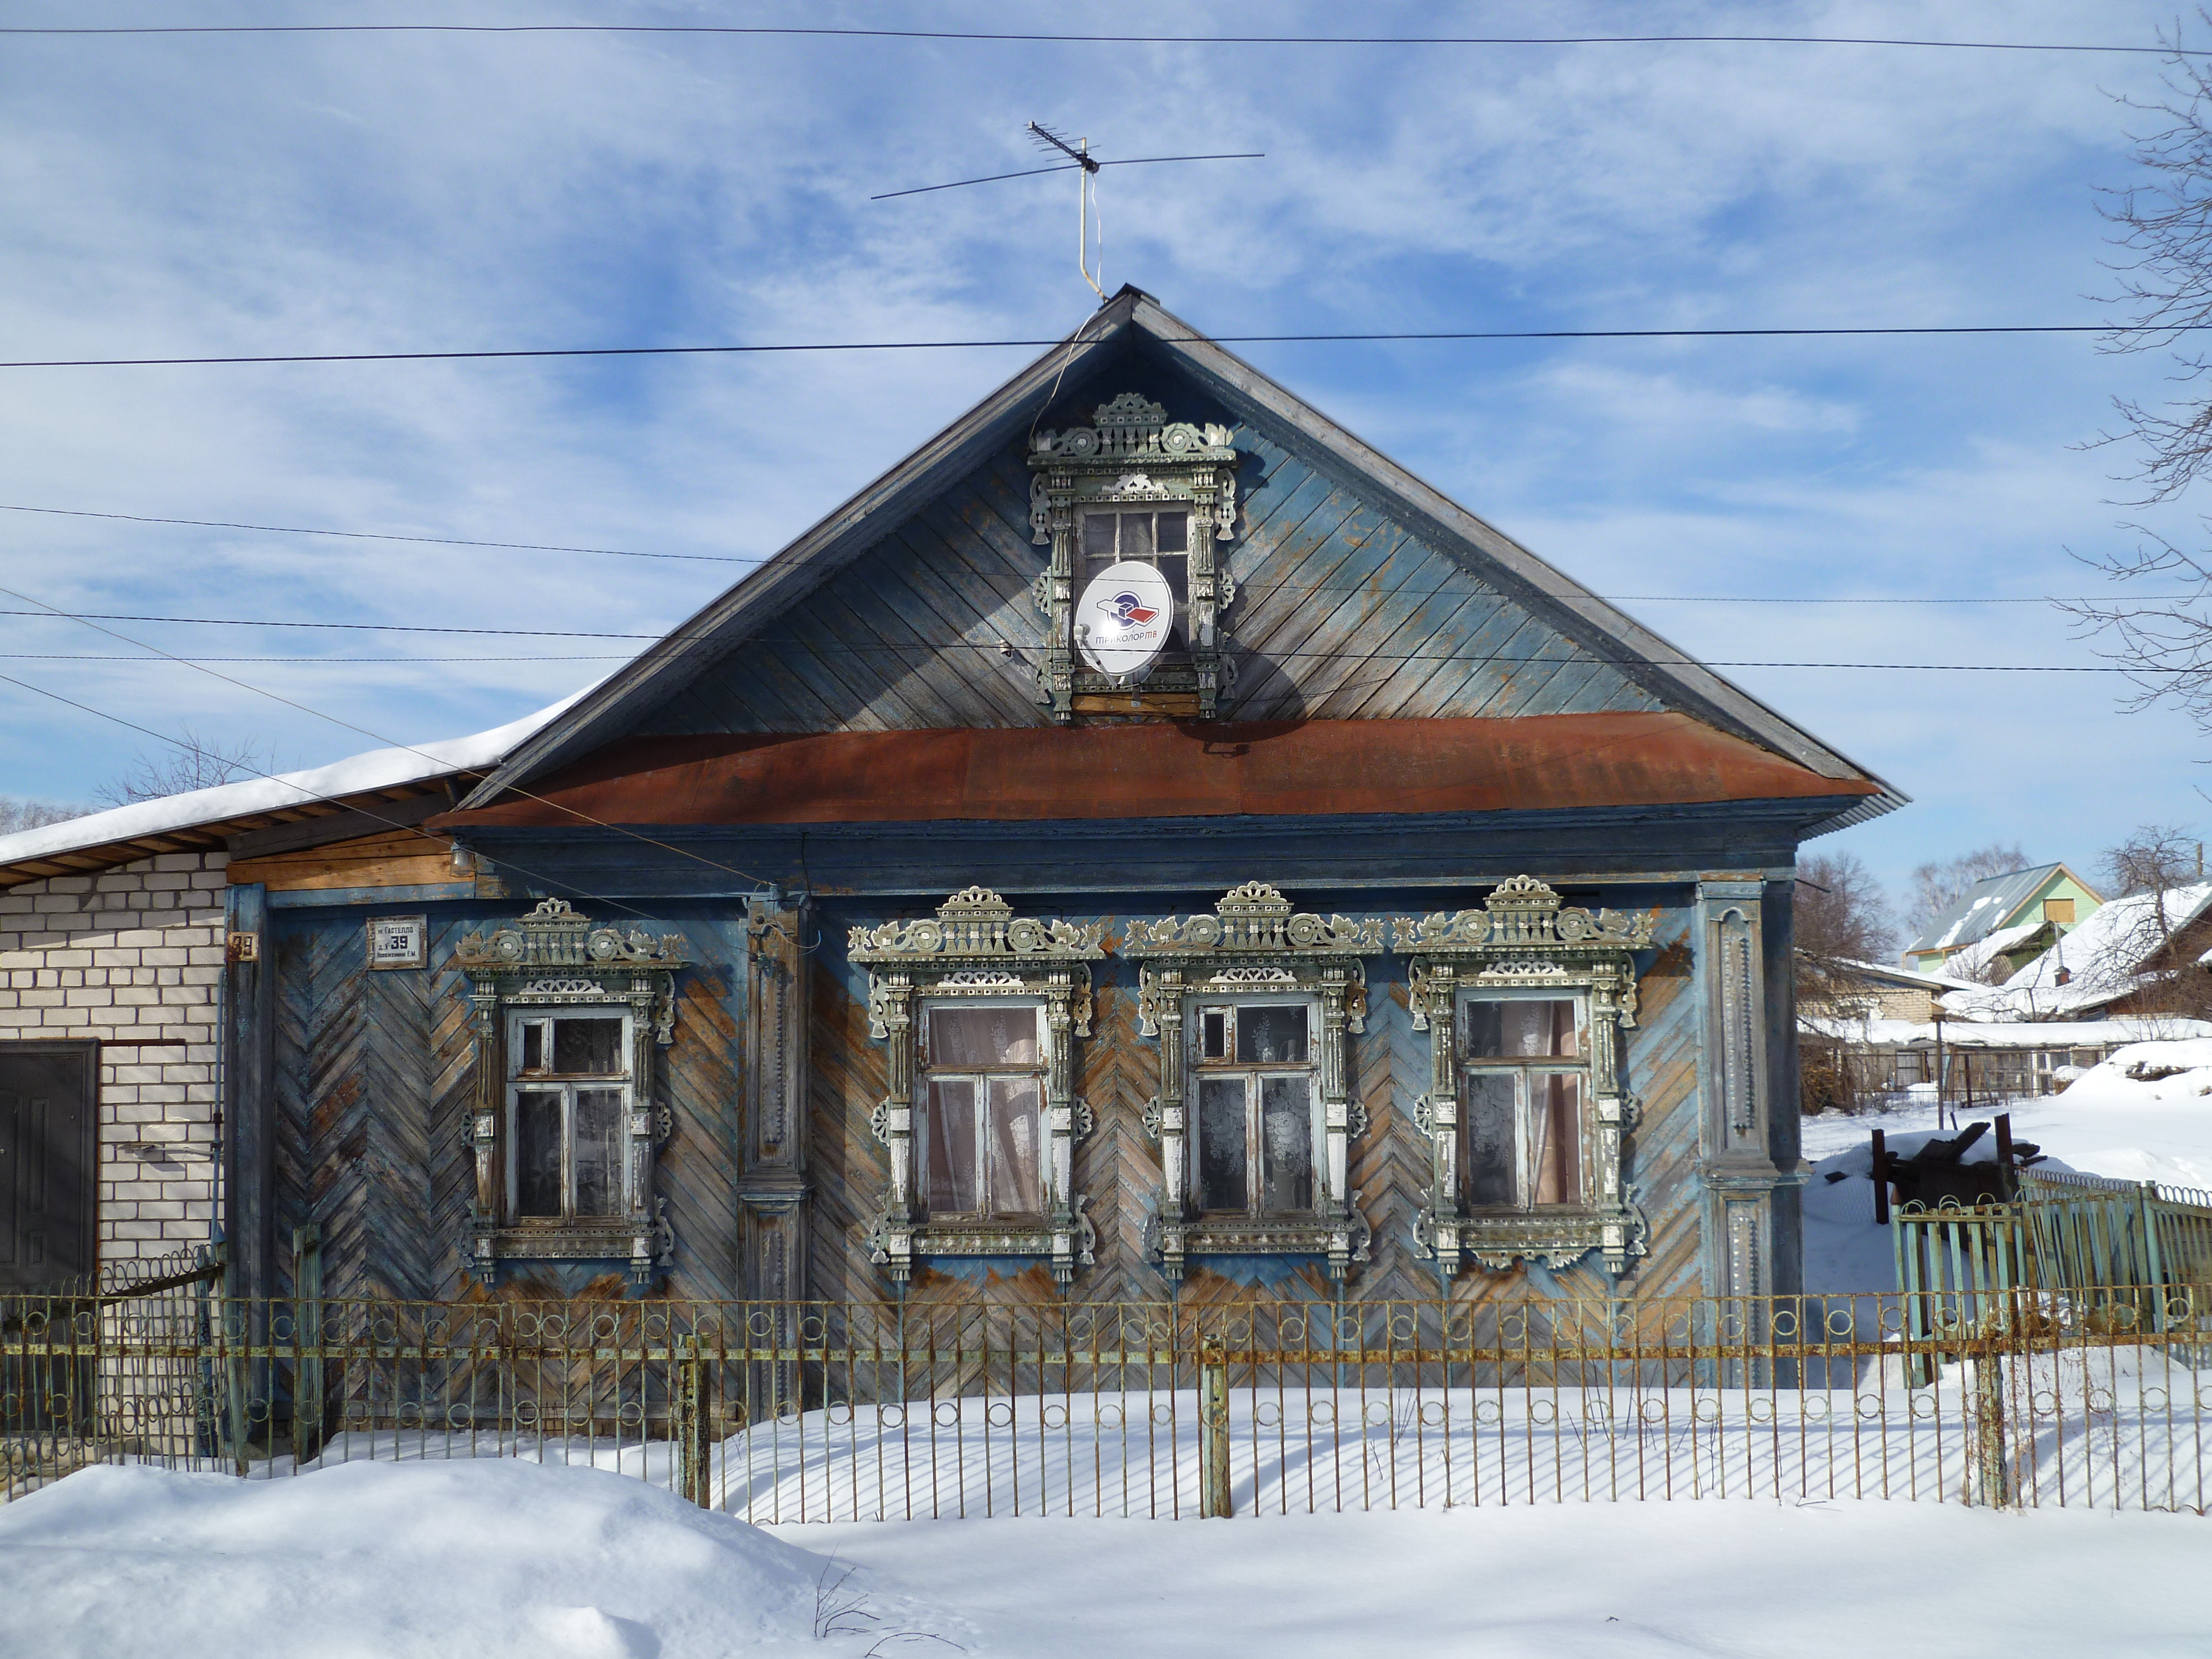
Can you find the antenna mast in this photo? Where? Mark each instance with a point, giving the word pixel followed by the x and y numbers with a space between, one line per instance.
pixel 1085 201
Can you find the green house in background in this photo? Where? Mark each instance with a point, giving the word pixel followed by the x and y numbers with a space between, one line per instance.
pixel 2006 920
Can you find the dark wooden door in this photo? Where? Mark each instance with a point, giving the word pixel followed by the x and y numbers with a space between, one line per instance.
pixel 49 1161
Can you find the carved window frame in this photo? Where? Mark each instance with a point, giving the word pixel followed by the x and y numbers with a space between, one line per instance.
pixel 977 947
pixel 554 962
pixel 1255 942
pixel 1134 457
pixel 1524 939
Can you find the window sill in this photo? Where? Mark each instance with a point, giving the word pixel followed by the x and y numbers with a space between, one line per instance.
pixel 597 1239
pixel 1341 1240
pixel 1065 1246
pixel 1555 1237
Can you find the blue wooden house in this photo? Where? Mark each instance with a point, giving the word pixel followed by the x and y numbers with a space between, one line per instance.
pixel 1421 923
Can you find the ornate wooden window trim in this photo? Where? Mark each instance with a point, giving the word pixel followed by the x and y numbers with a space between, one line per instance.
pixel 1134 455
pixel 1524 939
pixel 978 947
pixel 1254 941
pixel 554 960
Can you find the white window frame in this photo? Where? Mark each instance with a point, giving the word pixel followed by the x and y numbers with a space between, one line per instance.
pixel 1526 1178
pixel 520 1082
pixel 1201 1069
pixel 927 1072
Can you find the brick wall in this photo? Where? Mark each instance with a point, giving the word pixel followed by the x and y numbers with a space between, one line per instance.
pixel 131 953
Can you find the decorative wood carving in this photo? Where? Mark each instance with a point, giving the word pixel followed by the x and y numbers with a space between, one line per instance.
pixel 554 958
pixel 1134 452
pixel 977 947
pixel 1254 940
pixel 1523 937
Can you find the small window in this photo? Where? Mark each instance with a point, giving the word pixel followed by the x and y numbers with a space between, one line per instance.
pixel 1259 1130
pixel 567 1101
pixel 983 1118
pixel 1157 537
pixel 1524 1097
pixel 2059 911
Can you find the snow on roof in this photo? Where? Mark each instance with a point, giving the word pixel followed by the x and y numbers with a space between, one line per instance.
pixel 1976 956
pixel 1986 905
pixel 2009 1034
pixel 1890 971
pixel 377 769
pixel 2101 959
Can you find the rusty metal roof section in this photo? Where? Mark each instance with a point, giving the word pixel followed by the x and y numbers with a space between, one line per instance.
pixel 1312 768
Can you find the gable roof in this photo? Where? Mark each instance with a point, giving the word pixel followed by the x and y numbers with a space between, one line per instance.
pixel 2103 958
pixel 1992 902
pixel 1131 321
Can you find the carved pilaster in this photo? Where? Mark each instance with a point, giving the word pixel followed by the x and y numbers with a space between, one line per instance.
pixel 773 1187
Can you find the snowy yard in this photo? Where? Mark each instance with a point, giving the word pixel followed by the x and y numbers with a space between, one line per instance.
pixel 494 1558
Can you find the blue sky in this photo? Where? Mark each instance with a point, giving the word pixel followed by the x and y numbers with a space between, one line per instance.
pixel 248 194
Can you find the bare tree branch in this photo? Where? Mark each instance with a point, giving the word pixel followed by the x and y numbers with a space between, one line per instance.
pixel 200 764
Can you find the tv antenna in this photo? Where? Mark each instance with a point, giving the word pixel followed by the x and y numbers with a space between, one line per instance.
pixel 1085 166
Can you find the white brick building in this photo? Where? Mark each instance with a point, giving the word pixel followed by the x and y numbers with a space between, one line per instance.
pixel 133 958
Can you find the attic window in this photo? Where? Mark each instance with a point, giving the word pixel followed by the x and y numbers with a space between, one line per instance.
pixel 1160 539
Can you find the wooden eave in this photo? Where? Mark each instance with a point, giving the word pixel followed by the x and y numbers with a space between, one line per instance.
pixel 1668 672
pixel 318 823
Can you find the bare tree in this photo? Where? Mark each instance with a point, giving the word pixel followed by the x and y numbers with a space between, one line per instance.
pixel 1841 920
pixel 2147 940
pixel 21 813
pixel 1936 886
pixel 197 764
pixel 2163 230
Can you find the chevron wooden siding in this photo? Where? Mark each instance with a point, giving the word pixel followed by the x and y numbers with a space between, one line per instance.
pixel 376 1074
pixel 1342 613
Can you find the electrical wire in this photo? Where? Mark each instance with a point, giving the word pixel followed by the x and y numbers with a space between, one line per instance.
pixel 310 797
pixel 263 691
pixel 1042 39
pixel 1904 332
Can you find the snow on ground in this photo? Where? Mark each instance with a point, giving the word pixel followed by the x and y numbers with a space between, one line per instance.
pixel 486 1558
pixel 490 1559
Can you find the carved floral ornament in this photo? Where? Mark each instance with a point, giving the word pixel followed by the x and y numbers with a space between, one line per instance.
pixel 1132 454
pixel 977 947
pixel 1524 939
pixel 550 960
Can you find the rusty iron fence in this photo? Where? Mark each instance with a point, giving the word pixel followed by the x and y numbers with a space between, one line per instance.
pixel 781 1412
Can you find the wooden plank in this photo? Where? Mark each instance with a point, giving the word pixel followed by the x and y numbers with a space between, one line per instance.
pixel 401 858
pixel 891 593
pixel 1295 617
pixel 1340 649
pixel 1411 657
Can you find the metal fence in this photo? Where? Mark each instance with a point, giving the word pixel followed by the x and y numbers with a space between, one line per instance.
pixel 852 1410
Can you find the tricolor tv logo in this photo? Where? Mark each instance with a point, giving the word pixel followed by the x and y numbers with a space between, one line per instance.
pixel 1127 609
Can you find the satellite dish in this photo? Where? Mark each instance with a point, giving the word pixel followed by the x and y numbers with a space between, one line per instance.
pixel 1123 618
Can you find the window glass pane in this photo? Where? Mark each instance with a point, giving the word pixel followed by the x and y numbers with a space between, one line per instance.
pixel 1136 535
pixel 588 1047
pixel 983 1037
pixel 1098 537
pixel 1221 1143
pixel 533 1046
pixel 1014 1185
pixel 1272 1034
pixel 949 1131
pixel 600 1152
pixel 1520 1030
pixel 1485 1161
pixel 1555 1125
pixel 1286 1143
pixel 1174 532
pixel 1213 1034
pixel 538 1152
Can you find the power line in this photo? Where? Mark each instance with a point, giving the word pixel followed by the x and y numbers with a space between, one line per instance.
pixel 979 345
pixel 311 797
pixel 996 651
pixel 377 535
pixel 1042 39
pixel 262 691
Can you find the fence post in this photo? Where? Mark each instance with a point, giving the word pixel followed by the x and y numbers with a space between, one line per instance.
pixel 1213 1497
pixel 694 1445
pixel 308 1405
pixel 233 1332
pixel 1992 1474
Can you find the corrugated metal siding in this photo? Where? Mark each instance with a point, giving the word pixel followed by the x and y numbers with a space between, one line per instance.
pixel 1342 614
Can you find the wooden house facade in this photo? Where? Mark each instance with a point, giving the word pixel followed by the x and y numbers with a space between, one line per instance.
pixel 1421 924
